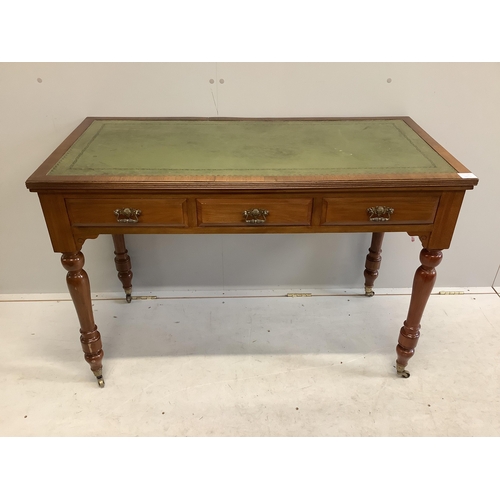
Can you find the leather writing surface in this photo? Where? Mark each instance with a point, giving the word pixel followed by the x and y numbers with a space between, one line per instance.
pixel 253 148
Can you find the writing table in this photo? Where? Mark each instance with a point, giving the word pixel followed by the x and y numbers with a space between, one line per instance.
pixel 220 175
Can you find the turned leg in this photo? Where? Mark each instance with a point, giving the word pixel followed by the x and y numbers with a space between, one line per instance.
pixel 123 265
pixel 79 288
pixel 372 264
pixel 425 276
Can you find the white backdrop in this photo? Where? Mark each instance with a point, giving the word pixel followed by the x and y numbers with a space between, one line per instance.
pixel 41 103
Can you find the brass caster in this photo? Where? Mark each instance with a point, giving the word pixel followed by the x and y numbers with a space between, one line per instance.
pixel 128 298
pixel 402 372
pixel 98 375
pixel 369 291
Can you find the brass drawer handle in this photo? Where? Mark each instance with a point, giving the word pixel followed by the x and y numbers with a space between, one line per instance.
pixel 380 214
pixel 255 216
pixel 127 215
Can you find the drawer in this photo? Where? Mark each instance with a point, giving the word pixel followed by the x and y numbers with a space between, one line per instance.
pixel 254 211
pixel 101 212
pixel 380 208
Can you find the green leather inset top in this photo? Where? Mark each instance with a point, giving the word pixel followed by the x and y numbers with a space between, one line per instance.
pixel 249 148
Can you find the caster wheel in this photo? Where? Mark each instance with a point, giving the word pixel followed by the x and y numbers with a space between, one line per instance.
pixel 370 294
pixel 402 372
pixel 100 381
pixel 128 298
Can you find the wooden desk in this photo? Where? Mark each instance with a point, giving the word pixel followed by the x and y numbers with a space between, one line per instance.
pixel 177 175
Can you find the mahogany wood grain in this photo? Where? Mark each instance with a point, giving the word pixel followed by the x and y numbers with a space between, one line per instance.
pixel 372 264
pixel 229 211
pixel 154 211
pixel 409 208
pixel 79 289
pixel 446 220
pixel 423 282
pixel 83 233
pixel 58 223
pixel 123 264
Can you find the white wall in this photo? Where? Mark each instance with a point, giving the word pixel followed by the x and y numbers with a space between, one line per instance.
pixel 457 103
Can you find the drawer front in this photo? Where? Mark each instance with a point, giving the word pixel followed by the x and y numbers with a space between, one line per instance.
pixel 254 211
pixel 380 208
pixel 127 212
